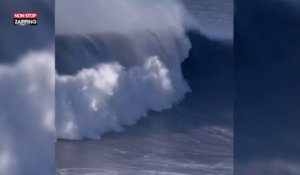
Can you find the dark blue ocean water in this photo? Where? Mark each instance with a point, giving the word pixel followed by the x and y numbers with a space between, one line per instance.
pixel 214 16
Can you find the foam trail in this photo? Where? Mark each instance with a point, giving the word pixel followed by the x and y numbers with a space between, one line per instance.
pixel 113 94
pixel 27 128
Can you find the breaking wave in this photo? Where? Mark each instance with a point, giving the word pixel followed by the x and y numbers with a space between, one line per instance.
pixel 122 60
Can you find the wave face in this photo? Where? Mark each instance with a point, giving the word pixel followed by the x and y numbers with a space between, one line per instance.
pixel 112 72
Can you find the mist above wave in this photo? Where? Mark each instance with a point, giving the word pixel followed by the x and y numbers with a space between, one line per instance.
pixel 126 16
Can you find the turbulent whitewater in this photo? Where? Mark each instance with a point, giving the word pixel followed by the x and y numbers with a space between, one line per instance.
pixel 135 66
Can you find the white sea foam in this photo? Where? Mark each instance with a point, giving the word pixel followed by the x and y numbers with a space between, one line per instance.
pixel 105 98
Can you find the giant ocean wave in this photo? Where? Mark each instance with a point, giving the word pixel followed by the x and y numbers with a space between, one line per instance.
pixel 129 59
pixel 122 60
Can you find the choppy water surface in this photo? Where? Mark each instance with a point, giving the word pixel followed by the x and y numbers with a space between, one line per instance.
pixel 171 142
